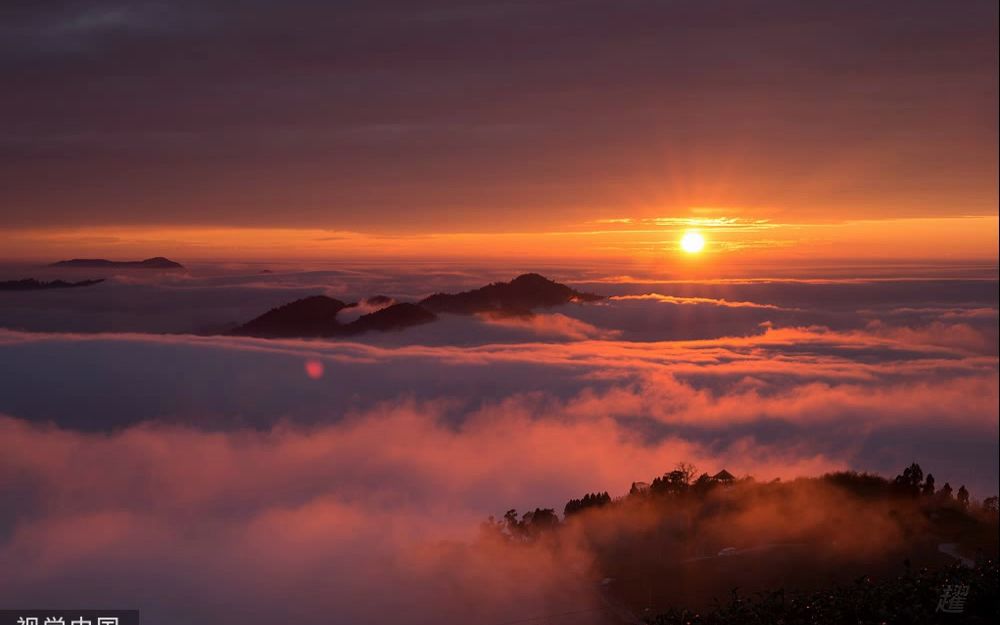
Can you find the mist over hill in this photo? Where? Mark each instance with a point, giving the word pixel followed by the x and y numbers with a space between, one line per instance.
pixel 679 548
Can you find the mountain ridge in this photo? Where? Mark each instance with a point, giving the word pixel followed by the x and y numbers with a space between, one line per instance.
pixel 316 316
pixel 156 262
pixel 33 284
pixel 523 293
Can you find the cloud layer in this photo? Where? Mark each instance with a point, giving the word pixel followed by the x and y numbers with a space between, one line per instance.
pixel 495 115
pixel 196 475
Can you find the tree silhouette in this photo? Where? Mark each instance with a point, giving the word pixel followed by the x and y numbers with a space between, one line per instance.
pixel 910 479
pixel 928 488
pixel 945 492
pixel 861 484
pixel 703 484
pixel 687 469
pixel 962 496
pixel 531 525
pixel 675 482
pixel 590 500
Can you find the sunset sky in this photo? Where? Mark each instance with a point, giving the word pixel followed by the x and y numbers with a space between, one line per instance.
pixel 433 260
pixel 781 130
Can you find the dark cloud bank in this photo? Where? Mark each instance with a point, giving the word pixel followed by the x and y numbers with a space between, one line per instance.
pixel 207 112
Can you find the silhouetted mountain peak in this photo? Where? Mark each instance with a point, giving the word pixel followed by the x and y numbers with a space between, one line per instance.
pixel 157 262
pixel 533 279
pixel 317 316
pixel 309 316
pixel 395 317
pixel 522 294
pixel 161 262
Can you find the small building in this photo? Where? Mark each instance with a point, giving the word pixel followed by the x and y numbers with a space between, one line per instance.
pixel 639 488
pixel 724 477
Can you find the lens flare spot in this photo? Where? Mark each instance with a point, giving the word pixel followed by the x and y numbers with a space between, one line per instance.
pixel 314 369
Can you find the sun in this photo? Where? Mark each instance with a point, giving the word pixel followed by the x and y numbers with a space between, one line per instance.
pixel 692 242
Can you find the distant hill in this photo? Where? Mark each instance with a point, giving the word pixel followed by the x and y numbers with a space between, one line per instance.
pixel 379 300
pixel 520 295
pixel 158 262
pixel 395 317
pixel 317 316
pixel 308 317
pixel 31 284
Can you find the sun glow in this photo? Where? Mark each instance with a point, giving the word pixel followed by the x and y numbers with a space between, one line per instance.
pixel 692 242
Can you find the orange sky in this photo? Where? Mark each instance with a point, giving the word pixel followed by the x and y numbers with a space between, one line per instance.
pixel 729 242
pixel 791 131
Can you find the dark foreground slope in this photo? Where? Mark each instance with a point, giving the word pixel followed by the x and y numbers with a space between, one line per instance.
pixel 840 548
pixel 914 596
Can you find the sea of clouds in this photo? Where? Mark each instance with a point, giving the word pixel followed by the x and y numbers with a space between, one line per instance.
pixel 147 463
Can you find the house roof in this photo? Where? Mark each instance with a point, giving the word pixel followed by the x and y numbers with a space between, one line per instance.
pixel 724 476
